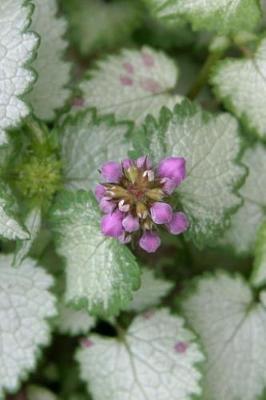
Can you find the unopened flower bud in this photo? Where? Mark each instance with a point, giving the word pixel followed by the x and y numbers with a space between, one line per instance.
pixel 144 162
pixel 132 174
pixel 123 206
pixel 116 192
pixel 149 174
pixel 150 241
pixel 141 210
pixel 155 194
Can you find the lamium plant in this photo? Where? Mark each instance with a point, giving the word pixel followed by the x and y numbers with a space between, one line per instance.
pixel 132 200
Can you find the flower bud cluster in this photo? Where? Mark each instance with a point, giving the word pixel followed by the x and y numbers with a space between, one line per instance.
pixel 134 198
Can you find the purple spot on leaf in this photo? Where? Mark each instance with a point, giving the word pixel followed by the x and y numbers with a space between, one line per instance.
pixel 147 59
pixel 148 314
pixel 126 80
pixel 181 347
pixel 87 343
pixel 150 85
pixel 78 102
pixel 19 396
pixel 128 67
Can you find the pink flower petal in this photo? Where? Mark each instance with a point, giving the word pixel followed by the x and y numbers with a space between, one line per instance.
pixel 127 163
pixel 107 205
pixel 173 168
pixel 150 241
pixel 161 213
pixel 111 224
pixel 130 223
pixel 99 192
pixel 144 162
pixel 111 171
pixel 179 223
pixel 124 238
pixel 169 185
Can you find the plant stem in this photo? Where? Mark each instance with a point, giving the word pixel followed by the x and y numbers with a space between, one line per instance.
pixel 203 76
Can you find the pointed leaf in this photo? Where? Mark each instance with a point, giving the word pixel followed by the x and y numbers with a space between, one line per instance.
pixel 33 225
pixel 210 145
pixel 25 305
pixel 132 84
pixel 96 25
pixel 9 226
pixel 232 328
pixel 156 359
pixel 86 143
pixel 241 84
pixel 17 45
pixel 101 273
pixel 220 15
pixel 151 291
pixel 74 322
pixel 49 92
pixel 246 222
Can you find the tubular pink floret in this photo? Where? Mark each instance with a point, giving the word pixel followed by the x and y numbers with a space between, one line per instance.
pixel 161 213
pixel 130 223
pixel 173 168
pixel 178 224
pixel 150 241
pixel 111 171
pixel 111 224
pixel 127 163
pixel 99 191
pixel 106 205
pixel 144 162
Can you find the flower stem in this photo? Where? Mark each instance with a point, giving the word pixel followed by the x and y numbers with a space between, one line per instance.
pixel 203 76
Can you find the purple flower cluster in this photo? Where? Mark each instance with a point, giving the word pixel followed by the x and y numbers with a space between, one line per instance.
pixel 134 197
